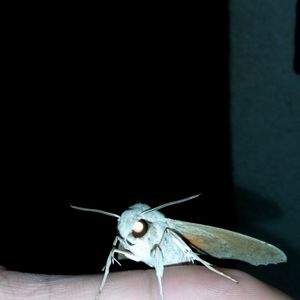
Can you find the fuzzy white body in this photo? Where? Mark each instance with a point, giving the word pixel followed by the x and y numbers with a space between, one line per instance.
pixel 156 236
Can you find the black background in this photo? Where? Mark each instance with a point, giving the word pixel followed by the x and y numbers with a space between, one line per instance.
pixel 105 110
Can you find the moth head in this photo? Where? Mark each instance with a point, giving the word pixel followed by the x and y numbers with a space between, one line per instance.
pixel 132 224
pixel 136 221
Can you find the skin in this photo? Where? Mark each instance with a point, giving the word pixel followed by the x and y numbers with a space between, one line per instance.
pixel 179 282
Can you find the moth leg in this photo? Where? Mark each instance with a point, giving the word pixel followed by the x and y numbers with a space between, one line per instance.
pixel 128 254
pixel 109 256
pixel 111 259
pixel 192 256
pixel 106 268
pixel 158 261
pixel 182 245
pixel 210 267
pixel 157 255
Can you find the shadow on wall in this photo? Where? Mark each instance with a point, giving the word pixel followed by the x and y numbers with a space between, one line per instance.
pixel 253 208
pixel 253 211
pixel 297 40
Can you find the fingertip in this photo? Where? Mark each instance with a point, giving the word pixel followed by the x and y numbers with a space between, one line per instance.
pixel 187 282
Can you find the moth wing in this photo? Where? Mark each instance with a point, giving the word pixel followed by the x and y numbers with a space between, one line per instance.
pixel 222 243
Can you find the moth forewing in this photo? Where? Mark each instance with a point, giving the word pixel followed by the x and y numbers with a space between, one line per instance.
pixel 222 243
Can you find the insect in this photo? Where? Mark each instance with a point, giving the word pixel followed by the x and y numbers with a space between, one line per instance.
pixel 146 235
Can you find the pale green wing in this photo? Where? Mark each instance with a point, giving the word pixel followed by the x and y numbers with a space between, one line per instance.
pixel 222 243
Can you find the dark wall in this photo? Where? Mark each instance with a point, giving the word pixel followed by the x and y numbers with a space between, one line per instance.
pixel 265 110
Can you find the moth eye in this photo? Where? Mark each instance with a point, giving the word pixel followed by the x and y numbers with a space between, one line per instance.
pixel 140 228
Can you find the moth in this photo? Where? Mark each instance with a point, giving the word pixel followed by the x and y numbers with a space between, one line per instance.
pixel 146 235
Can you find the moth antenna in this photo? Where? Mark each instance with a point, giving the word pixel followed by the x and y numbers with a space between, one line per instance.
pixel 169 204
pixel 96 211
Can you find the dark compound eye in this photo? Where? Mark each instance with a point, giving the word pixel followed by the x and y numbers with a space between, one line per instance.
pixel 140 228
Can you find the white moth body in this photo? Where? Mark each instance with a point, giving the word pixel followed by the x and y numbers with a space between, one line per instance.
pixel 146 235
pixel 143 247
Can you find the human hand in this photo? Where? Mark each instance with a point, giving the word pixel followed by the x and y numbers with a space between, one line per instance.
pixel 179 282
